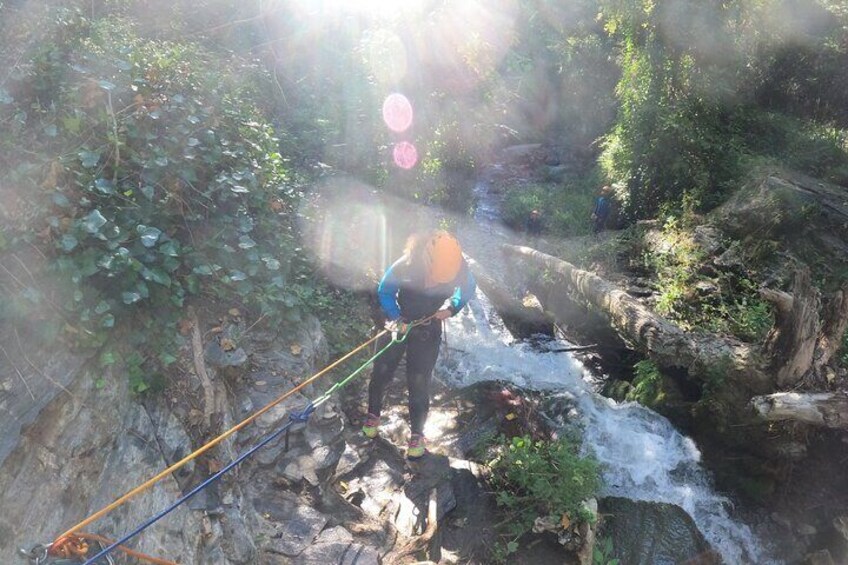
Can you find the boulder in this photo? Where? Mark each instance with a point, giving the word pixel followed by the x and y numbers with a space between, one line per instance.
pixel 650 533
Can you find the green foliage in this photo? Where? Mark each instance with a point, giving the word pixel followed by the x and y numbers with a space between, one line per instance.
pixel 344 316
pixel 602 553
pixel 692 97
pixel 158 179
pixel 647 386
pixel 723 301
pixel 843 351
pixel 565 209
pixel 540 478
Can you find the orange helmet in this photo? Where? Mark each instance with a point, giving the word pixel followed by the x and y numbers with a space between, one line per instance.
pixel 443 257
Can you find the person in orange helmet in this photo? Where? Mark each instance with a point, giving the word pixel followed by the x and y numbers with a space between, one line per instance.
pixel 430 281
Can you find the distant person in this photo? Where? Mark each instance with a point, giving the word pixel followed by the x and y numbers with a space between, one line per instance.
pixel 430 273
pixel 601 212
pixel 534 224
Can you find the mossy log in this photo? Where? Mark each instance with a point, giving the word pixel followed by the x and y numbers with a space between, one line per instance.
pixel 819 409
pixel 804 339
pixel 521 319
pixel 703 355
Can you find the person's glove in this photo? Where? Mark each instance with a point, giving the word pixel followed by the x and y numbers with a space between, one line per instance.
pixel 397 326
pixel 443 314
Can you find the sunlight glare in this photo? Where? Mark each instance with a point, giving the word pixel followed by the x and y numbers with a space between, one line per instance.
pixel 405 155
pixel 397 112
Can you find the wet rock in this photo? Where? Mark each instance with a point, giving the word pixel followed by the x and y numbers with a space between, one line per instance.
pixel 730 258
pixel 806 530
pixel 822 557
pixel 294 525
pixel 374 490
pixel 338 554
pixel 348 461
pixel 335 535
pixel 237 540
pixel 219 356
pixel 647 533
pixel 781 520
pixel 840 524
pixel 416 497
pixel 708 238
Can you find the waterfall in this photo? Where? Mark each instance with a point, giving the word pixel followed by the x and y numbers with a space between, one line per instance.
pixel 642 455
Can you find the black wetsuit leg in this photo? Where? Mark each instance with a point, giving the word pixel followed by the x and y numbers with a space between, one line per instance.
pixel 422 350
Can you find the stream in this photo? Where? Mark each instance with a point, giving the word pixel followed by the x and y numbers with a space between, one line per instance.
pixel 642 455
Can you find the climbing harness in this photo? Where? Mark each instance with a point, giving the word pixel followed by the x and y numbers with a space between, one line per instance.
pixel 74 549
pixel 72 546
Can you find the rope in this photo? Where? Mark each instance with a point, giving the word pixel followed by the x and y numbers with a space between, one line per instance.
pixel 149 483
pixel 78 547
pixel 294 418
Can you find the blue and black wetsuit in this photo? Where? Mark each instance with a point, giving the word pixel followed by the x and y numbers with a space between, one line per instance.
pixel 601 213
pixel 403 297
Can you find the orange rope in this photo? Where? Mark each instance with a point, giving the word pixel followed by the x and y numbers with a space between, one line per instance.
pixel 76 546
pixel 143 487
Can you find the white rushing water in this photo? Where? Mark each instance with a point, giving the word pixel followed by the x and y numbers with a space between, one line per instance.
pixel 643 456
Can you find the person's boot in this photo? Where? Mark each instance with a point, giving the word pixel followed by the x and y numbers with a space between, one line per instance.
pixel 416 448
pixel 371 427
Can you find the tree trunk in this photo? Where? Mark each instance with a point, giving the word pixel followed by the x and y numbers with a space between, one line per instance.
pixel 834 324
pixel 819 409
pixel 792 341
pixel 705 356
pixel 520 319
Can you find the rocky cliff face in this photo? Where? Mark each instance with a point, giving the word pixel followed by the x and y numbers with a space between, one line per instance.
pixel 72 447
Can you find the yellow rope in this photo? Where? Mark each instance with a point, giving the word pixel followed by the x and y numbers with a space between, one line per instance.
pixel 143 487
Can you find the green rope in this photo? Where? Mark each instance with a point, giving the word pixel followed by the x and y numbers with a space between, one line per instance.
pixel 323 398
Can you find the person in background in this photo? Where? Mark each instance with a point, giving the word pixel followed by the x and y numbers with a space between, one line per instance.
pixel 534 224
pixel 602 209
pixel 430 282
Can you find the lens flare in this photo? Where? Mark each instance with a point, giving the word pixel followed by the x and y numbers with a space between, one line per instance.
pixel 397 112
pixel 405 155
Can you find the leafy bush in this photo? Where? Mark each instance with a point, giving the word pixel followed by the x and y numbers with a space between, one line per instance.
pixel 647 384
pixel 565 210
pixel 726 302
pixel 541 478
pixel 157 178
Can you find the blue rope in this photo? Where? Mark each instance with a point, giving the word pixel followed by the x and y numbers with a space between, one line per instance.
pixel 295 418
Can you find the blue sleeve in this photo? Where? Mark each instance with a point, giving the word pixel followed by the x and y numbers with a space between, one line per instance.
pixel 464 292
pixel 387 292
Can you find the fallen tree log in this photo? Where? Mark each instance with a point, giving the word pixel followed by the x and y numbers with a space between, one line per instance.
pixel 819 409
pixel 807 332
pixel 520 319
pixel 705 356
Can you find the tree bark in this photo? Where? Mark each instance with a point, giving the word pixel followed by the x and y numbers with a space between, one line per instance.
pixel 705 356
pixel 792 341
pixel 833 327
pixel 819 409
pixel 518 317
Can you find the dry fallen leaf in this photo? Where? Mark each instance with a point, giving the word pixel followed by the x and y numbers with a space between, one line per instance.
pixel 296 349
pixel 185 326
pixel 234 312
pixel 511 416
pixel 565 521
pixel 227 344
